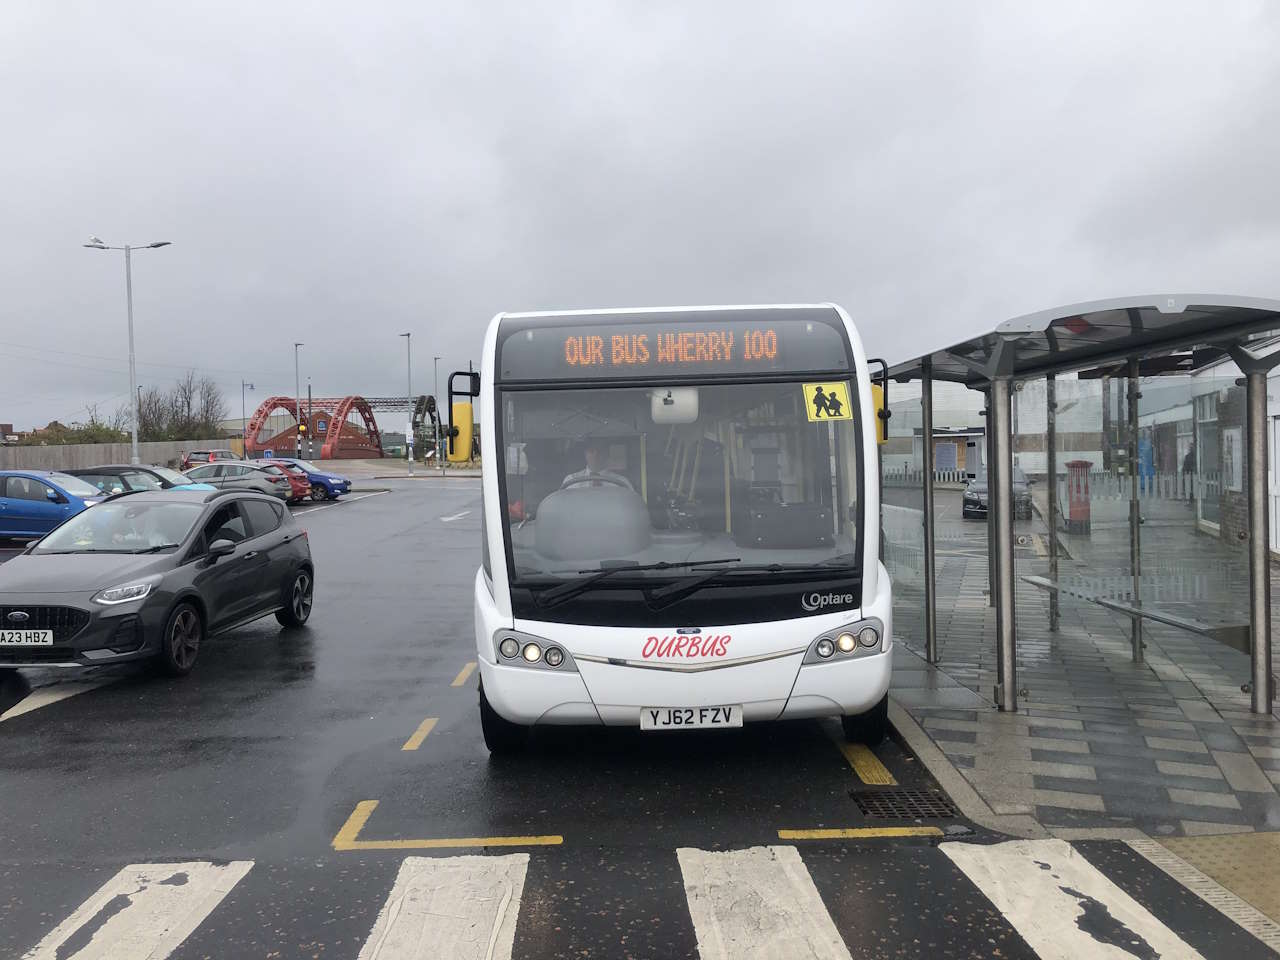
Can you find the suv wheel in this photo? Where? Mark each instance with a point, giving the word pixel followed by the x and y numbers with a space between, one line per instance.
pixel 297 608
pixel 180 644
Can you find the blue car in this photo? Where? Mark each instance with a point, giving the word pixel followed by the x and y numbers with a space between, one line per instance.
pixel 33 502
pixel 324 485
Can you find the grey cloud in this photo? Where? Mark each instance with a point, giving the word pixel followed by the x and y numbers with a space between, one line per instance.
pixel 339 174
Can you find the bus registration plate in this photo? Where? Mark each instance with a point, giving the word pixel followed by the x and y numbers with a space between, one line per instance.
pixel 690 718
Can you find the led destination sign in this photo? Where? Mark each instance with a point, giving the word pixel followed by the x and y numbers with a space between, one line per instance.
pixel 707 345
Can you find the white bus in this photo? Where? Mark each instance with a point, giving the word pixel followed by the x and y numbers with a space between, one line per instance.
pixel 680 522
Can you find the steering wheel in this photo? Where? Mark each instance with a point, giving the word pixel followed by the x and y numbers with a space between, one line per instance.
pixel 595 478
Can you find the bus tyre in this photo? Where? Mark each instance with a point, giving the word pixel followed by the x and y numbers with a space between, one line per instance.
pixel 501 736
pixel 868 728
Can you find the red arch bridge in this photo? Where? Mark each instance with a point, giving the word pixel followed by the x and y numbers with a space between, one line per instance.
pixel 344 427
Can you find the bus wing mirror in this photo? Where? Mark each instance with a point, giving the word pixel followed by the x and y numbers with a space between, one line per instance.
pixel 881 413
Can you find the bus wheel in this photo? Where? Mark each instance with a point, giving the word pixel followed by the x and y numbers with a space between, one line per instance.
pixel 868 728
pixel 500 734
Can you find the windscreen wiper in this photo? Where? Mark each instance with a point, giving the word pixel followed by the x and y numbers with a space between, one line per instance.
pixel 158 547
pixel 567 591
pixel 665 596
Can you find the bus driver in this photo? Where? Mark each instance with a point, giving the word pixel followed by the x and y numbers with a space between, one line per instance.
pixel 595 473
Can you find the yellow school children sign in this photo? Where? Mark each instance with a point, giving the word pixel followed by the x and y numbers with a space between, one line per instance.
pixel 827 401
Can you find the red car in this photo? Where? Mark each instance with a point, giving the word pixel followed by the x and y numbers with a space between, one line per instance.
pixel 299 482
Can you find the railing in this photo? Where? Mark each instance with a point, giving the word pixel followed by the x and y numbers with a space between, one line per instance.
pixel 915 478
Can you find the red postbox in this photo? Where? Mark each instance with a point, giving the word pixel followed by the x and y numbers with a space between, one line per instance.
pixel 1078 513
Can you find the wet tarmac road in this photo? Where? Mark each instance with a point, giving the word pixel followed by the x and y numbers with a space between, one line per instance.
pixel 296 751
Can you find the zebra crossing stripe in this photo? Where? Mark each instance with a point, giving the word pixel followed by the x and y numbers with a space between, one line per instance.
pixel 145 910
pixel 759 902
pixel 456 907
pixel 1063 906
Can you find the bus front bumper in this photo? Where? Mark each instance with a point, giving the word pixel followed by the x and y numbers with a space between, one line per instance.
pixel 611 694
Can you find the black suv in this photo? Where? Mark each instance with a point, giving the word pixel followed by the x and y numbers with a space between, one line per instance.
pixel 152 575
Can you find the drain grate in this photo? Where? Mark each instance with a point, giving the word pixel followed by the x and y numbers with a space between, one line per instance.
pixel 904 804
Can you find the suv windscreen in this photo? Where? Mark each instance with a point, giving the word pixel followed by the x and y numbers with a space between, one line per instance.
pixel 123 526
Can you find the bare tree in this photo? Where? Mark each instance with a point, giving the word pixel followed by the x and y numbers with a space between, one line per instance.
pixel 189 410
pixel 211 408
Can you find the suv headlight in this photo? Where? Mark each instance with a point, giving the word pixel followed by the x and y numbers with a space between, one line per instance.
pixel 126 592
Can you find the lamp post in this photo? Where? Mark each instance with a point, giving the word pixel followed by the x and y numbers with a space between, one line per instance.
pixel 244 422
pixel 408 359
pixel 297 403
pixel 439 452
pixel 97 244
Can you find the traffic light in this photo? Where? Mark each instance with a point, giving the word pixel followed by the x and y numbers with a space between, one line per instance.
pixel 302 428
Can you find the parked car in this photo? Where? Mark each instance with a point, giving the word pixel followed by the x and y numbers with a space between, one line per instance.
pixel 124 478
pixel 974 504
pixel 243 475
pixel 152 575
pixel 299 485
pixel 324 484
pixel 195 457
pixel 33 502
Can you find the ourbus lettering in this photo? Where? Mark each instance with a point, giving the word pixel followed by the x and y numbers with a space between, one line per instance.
pixel 698 645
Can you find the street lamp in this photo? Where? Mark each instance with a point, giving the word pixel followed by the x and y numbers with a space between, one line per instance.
pixel 244 422
pixel 297 403
pixel 408 357
pixel 439 457
pixel 95 243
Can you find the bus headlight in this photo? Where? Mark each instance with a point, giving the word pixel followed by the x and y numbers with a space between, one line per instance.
pixel 514 649
pixel 851 641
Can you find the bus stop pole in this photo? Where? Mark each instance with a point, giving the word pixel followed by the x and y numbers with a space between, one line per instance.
pixel 1135 510
pixel 1051 483
pixel 999 503
pixel 930 587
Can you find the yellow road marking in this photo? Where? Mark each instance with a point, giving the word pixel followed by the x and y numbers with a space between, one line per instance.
pixel 867 765
pixel 859 833
pixel 348 837
pixel 465 672
pixel 425 727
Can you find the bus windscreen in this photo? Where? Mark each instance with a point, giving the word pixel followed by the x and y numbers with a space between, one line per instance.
pixel 611 347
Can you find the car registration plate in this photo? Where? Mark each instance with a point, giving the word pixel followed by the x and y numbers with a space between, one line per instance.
pixel 26 638
pixel 690 718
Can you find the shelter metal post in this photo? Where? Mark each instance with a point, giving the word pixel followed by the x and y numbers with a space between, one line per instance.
pixel 1261 681
pixel 930 586
pixel 1135 510
pixel 1051 481
pixel 1000 505
pixel 988 457
pixel 1262 686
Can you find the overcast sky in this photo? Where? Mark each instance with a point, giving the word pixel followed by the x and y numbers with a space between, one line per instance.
pixel 339 173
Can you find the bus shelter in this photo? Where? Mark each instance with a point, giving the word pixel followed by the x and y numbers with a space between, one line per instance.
pixel 1119 491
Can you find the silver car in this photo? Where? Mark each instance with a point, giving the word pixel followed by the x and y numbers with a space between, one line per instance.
pixel 242 475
